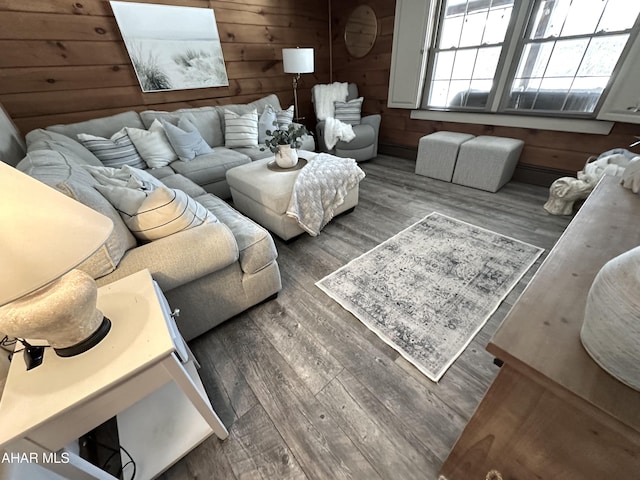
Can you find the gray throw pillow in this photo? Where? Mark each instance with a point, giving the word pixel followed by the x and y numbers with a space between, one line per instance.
pixel 349 112
pixel 186 140
pixel 115 151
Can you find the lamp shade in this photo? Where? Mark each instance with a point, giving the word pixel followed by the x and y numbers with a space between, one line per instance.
pixel 297 60
pixel 45 234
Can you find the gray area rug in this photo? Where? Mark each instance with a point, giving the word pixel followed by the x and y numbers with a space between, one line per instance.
pixel 428 290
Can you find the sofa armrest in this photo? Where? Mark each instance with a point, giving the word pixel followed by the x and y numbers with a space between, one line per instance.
pixel 180 258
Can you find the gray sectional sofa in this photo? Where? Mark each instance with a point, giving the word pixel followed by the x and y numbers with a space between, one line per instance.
pixel 210 272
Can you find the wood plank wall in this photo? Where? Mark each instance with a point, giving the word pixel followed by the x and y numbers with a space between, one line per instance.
pixel 554 153
pixel 65 61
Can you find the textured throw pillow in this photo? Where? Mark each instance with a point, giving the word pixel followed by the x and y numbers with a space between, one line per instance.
pixel 240 130
pixel 266 122
pixel 186 140
pixel 115 151
pixel 126 176
pixel 284 118
pixel 153 145
pixel 349 112
pixel 156 214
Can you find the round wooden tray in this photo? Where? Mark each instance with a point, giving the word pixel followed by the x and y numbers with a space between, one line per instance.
pixel 272 165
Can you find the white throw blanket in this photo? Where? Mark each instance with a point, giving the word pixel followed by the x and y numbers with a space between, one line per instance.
pixel 320 189
pixel 335 130
pixel 325 95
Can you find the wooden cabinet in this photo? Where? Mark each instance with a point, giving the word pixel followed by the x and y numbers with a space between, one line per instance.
pixel 552 412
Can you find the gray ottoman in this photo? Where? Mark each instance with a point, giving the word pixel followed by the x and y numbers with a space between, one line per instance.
pixel 263 194
pixel 437 154
pixel 487 163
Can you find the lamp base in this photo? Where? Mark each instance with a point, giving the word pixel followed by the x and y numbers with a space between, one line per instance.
pixel 88 343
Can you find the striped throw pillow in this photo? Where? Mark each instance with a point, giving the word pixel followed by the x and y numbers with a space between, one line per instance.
pixel 151 215
pixel 349 112
pixel 115 152
pixel 284 118
pixel 240 130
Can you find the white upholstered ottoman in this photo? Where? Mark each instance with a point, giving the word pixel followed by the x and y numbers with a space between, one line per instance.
pixel 263 193
pixel 437 154
pixel 486 162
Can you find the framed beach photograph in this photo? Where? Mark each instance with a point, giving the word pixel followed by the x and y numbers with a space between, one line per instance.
pixel 171 47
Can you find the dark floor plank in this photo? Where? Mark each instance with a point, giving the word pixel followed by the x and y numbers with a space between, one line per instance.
pixel 315 438
pixel 391 448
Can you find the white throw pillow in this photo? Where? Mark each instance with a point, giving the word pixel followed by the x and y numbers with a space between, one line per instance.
pixel 115 151
pixel 267 122
pixel 156 214
pixel 284 118
pixel 153 145
pixel 126 176
pixel 240 130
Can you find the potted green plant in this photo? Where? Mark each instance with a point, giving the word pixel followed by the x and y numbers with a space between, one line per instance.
pixel 284 142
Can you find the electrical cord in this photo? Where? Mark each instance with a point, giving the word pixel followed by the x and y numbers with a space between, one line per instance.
pixel 115 451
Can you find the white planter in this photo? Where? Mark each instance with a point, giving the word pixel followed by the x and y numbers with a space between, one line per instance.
pixel 611 329
pixel 286 157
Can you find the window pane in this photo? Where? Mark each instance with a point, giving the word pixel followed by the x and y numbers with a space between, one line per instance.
pixel 620 15
pixel 463 64
pixel 549 18
pixel 583 17
pixel 534 60
pixel 602 56
pixel 451 29
pixel 473 29
pixel 443 65
pixel 486 63
pixel 566 58
pixel 497 23
pixel 458 92
pixel 438 93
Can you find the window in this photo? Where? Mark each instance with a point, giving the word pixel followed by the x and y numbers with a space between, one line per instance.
pixel 549 57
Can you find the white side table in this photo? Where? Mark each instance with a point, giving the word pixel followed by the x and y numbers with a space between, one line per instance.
pixel 135 373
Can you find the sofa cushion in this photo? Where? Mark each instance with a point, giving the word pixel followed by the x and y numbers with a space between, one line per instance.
pixel 186 139
pixel 254 153
pixel 212 167
pixel 240 130
pixel 205 119
pixel 152 215
pixel 100 127
pixel 115 151
pixel 153 145
pixel 181 182
pixel 255 244
pixel 65 174
pixel 41 139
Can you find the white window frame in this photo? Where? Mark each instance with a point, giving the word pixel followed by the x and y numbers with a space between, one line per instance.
pixel 493 116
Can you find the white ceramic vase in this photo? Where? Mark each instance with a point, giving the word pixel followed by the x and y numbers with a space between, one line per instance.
pixel 611 329
pixel 286 157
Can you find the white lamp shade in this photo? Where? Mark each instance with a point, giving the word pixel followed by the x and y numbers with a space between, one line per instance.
pixel 45 234
pixel 297 60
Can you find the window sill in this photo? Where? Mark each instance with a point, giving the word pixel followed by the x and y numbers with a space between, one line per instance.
pixel 596 127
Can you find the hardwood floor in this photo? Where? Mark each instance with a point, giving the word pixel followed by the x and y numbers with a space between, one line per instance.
pixel 309 392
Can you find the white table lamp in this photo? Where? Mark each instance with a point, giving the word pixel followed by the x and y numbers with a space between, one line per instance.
pixel 45 235
pixel 297 61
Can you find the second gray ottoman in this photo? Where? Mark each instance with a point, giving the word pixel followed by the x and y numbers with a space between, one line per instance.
pixel 487 163
pixel 437 154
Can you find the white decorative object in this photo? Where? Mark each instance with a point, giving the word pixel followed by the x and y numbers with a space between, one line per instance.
pixel 564 192
pixel 611 329
pixel 631 175
pixel 286 157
